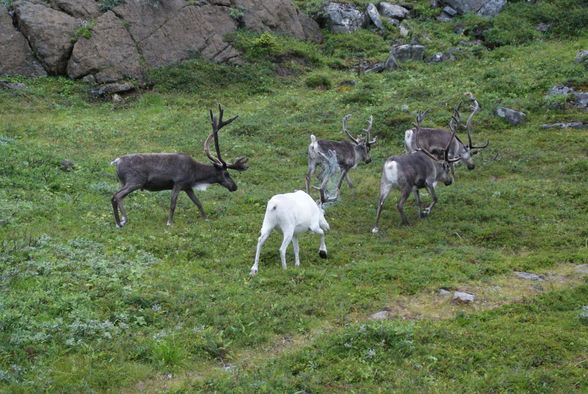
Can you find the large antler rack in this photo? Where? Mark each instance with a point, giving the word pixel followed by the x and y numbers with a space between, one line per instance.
pixel 360 137
pixel 475 106
pixel 355 141
pixel 367 131
pixel 240 164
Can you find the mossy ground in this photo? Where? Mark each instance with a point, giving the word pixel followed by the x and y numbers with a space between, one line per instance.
pixel 88 307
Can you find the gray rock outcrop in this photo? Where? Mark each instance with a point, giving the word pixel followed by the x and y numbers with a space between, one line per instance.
pixel 485 8
pixel 460 297
pixel 84 9
pixel 393 10
pixel 345 18
pixel 49 32
pixel 17 57
pixel 408 52
pixel 374 15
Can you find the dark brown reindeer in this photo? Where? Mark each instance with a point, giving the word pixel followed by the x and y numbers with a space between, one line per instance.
pixel 349 154
pixel 435 140
pixel 417 170
pixel 176 172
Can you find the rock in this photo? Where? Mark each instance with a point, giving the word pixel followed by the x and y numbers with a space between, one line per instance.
pixel 440 57
pixel 485 8
pixel 17 57
pixel 49 33
pixel 530 276
pixel 408 52
pixel 512 116
pixel 470 43
pixel 12 85
pixel 89 79
pixel 491 8
pixel 463 298
pixel 449 11
pixel 560 90
pixel 376 67
pixel 393 11
pixel 112 88
pixel 84 9
pixel 584 314
pixel 543 27
pixel 563 125
pixel 67 165
pixel 582 58
pixel 443 292
pixel 110 49
pixel 382 315
pixel 116 98
pixel 443 17
pixel 393 21
pixel 391 63
pixel 580 99
pixel 374 15
pixel 583 268
pixel 403 30
pixel 344 18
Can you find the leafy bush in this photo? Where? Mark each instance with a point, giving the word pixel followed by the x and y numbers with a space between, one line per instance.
pixel 318 80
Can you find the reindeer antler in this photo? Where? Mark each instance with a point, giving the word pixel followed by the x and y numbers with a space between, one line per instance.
pixel 475 106
pixel 347 131
pixel 368 130
pixel 241 163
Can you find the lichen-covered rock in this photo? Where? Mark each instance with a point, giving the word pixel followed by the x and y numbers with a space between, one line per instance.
pixel 460 297
pixel 17 57
pixel 49 32
pixel 374 15
pixel 408 52
pixel 110 50
pixel 345 18
pixel 512 116
pixel 393 10
pixel 485 8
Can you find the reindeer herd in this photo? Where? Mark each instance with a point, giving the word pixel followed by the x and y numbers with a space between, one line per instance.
pixel 431 154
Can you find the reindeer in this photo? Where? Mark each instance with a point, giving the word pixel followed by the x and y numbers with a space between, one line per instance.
pixel 293 213
pixel 435 140
pixel 176 172
pixel 417 170
pixel 349 154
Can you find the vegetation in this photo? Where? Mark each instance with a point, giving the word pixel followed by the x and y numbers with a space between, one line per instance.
pixel 89 307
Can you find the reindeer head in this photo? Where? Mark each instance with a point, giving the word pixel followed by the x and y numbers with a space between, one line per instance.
pixel 223 177
pixel 361 144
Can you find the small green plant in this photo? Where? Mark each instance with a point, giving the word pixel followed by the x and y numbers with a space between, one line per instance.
pixel 237 14
pixel 318 81
pixel 84 31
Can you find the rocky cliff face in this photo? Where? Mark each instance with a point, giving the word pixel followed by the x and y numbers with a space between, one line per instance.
pixel 77 39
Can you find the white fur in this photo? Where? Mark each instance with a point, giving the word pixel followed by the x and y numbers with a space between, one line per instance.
pixel 201 186
pixel 408 141
pixel 115 161
pixel 391 172
pixel 292 213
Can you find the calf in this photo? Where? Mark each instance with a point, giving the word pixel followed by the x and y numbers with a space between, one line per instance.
pixel 292 213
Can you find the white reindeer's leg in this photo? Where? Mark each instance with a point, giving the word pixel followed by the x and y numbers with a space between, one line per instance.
pixel 285 242
pixel 323 248
pixel 296 250
pixel 260 242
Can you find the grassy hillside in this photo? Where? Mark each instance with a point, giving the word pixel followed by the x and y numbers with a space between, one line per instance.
pixel 85 306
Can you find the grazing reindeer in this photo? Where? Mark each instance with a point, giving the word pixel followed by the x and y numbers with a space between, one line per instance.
pixel 435 140
pixel 293 213
pixel 176 172
pixel 349 154
pixel 414 171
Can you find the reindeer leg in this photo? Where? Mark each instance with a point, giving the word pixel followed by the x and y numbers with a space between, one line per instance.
pixel 417 200
pixel 195 200
pixel 400 206
pixel 343 175
pixel 296 250
pixel 260 242
pixel 172 205
pixel 118 204
pixel 431 190
pixel 288 234
pixel 384 191
pixel 350 184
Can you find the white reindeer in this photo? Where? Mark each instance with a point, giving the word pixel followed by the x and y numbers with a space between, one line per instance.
pixel 293 213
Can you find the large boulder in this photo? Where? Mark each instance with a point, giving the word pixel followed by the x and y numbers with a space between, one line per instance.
pixel 17 57
pixel 277 15
pixel 49 32
pixel 486 8
pixel 110 52
pixel 345 18
pixel 393 10
pixel 374 15
pixel 84 9
pixel 408 52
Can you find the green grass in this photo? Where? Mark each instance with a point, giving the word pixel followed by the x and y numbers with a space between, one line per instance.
pixel 86 306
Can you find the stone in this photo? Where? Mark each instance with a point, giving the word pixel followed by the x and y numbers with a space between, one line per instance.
pixel 116 98
pixel 374 15
pixel 512 116
pixel 403 30
pixel 470 43
pixel 84 9
pixel 17 57
pixel 12 85
pixel 382 315
pixel 89 79
pixel 565 125
pixel 530 276
pixel 580 99
pixel 449 11
pixel 491 8
pixel 344 18
pixel 440 57
pixel 443 17
pixel 110 48
pixel 49 33
pixel 582 268
pixel 560 90
pixel 582 58
pixel 393 10
pixel 408 52
pixel 543 27
pixel 460 297
pixel 443 292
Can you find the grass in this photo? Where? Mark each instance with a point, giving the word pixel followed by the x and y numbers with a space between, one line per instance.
pixel 87 306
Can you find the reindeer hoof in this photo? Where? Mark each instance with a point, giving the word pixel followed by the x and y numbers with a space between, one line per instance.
pixel 323 254
pixel 253 273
